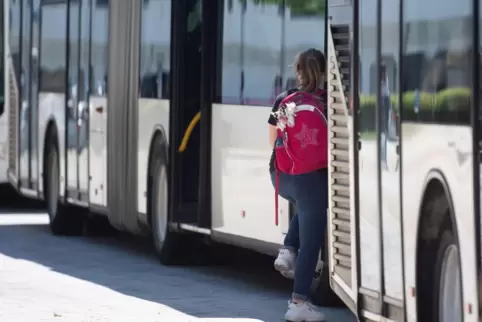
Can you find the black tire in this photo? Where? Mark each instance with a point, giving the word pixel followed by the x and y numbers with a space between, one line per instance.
pixel 168 243
pixel 64 220
pixel 322 293
pixel 447 247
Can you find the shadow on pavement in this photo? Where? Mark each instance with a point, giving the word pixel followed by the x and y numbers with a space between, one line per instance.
pixel 238 283
pixel 11 201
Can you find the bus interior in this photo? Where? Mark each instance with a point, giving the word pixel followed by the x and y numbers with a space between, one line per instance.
pixel 193 84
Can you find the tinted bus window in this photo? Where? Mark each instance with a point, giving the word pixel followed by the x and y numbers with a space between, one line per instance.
pixel 389 86
pixel 367 165
pixel 53 54
pixel 437 77
pixel 260 42
pixel 155 49
pixel 14 37
pixel 99 44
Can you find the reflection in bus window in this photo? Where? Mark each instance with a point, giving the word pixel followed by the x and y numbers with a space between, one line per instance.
pixel 100 34
pixel 291 83
pixel 14 38
pixel 155 49
pixel 52 52
pixel 260 42
pixel 367 165
pixel 436 82
pixel 389 145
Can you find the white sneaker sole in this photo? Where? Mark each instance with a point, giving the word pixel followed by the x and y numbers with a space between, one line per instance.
pixel 284 271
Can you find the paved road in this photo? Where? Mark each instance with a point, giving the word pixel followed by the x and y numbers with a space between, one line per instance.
pixel 46 278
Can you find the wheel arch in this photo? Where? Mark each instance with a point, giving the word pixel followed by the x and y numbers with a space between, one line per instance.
pixel 435 184
pixel 429 229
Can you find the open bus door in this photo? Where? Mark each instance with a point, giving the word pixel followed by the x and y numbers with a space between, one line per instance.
pixel 341 204
pixel 195 35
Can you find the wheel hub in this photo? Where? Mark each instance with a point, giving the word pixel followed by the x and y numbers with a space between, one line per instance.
pixel 53 186
pixel 450 301
pixel 161 206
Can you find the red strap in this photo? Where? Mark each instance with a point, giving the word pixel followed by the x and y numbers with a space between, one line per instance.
pixel 276 187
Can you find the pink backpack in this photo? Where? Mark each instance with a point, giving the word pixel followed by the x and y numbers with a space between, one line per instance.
pixel 302 142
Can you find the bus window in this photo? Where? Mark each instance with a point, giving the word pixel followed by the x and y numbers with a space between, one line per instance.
pixel 389 146
pixel 260 43
pixel 440 52
pixel 155 49
pixel 367 167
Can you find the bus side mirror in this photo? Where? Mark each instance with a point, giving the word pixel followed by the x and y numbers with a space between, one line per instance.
pixel 2 105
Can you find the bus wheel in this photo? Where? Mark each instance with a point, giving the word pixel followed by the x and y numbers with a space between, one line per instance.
pixel 448 283
pixel 166 242
pixel 63 220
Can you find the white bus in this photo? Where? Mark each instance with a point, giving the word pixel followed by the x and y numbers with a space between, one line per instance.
pixel 102 93
pixel 404 109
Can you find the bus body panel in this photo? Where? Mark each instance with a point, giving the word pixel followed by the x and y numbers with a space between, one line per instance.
pixel 98 151
pixel 446 150
pixel 153 117
pixel 242 193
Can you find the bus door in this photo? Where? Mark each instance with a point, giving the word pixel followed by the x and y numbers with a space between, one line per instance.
pixel 376 80
pixel 195 28
pixel 342 219
pixel 77 100
pixel 29 80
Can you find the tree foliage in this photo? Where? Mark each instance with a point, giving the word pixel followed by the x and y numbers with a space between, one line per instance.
pixel 297 7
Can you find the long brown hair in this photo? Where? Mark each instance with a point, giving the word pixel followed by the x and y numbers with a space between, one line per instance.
pixel 310 67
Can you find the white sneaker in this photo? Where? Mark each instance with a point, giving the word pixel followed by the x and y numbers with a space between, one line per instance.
pixel 303 312
pixel 285 263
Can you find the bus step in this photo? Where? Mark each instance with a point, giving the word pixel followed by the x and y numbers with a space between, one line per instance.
pixel 188 213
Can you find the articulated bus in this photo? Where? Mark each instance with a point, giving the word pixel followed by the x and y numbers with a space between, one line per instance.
pixel 101 94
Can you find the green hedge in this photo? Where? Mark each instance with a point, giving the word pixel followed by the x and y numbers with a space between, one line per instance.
pixel 450 105
pixel 452 99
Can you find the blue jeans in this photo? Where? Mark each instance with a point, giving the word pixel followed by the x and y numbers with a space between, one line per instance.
pixel 306 233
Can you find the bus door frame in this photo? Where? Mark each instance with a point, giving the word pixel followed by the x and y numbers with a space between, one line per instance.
pixel 476 122
pixel 211 40
pixel 344 289
pixel 375 304
pixel 212 43
pixel 29 185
